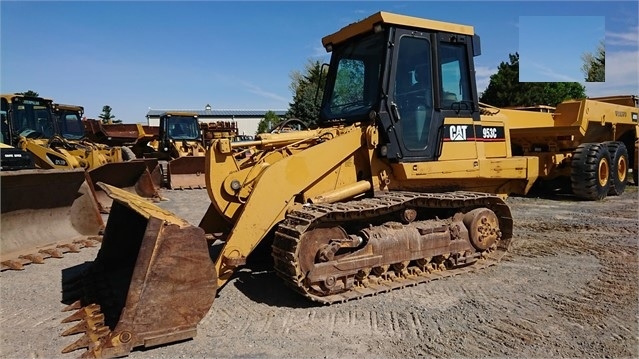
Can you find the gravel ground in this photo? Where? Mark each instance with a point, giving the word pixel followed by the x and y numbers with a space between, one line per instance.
pixel 568 288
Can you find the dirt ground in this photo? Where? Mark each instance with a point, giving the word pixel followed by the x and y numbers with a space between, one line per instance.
pixel 567 288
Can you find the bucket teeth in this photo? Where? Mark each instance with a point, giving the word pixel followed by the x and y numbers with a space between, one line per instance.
pixel 85 242
pixel 89 310
pixel 52 252
pixel 89 340
pixel 13 265
pixel 33 258
pixel 91 322
pixel 70 247
pixel 73 306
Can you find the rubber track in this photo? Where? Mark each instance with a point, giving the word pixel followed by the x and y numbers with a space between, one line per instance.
pixel 290 231
pixel 38 255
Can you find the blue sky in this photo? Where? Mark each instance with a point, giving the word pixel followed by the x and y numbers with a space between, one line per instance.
pixel 134 56
pixel 556 55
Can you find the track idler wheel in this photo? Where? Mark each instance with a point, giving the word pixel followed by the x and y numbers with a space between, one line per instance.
pixel 483 228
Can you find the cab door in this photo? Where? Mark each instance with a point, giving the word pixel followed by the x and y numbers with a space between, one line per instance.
pixel 432 80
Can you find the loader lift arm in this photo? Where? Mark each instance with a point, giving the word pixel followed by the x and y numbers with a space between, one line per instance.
pixel 277 186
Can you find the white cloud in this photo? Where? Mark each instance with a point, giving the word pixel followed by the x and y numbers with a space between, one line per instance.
pixel 622 75
pixel 482 77
pixel 254 89
pixel 629 38
pixel 551 74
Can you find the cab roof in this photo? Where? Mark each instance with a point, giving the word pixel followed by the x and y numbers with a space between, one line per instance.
pixel 10 97
pixel 382 17
pixel 62 106
pixel 179 113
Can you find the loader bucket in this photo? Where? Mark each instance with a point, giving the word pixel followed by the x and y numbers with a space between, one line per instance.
pixel 132 176
pixel 152 282
pixel 187 172
pixel 42 210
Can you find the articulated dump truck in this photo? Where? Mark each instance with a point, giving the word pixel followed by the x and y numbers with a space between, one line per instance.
pixel 403 182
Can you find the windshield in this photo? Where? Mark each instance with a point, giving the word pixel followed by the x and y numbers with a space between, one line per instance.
pixel 353 82
pixel 70 124
pixel 456 92
pixel 183 128
pixel 32 118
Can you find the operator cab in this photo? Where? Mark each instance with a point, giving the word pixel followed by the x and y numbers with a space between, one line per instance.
pixel 69 119
pixel 408 74
pixel 24 116
pixel 179 127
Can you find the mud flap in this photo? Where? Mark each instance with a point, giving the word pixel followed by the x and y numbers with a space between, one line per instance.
pixel 152 282
pixel 187 172
pixel 132 176
pixel 41 210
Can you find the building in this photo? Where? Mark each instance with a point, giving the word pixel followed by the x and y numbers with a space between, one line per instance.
pixel 247 120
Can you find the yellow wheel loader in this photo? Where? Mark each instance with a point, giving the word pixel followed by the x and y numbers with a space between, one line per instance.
pixel 54 136
pixel 401 183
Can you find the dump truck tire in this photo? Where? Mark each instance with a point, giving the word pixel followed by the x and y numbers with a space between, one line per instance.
pixel 590 171
pixel 618 167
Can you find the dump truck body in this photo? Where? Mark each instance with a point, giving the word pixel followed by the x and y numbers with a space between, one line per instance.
pixel 139 138
pixel 594 126
pixel 401 183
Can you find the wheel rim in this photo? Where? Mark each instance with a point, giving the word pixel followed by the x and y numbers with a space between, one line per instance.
pixel 622 169
pixel 604 172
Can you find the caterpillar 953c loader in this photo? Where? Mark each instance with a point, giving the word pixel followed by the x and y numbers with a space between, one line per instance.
pixel 399 185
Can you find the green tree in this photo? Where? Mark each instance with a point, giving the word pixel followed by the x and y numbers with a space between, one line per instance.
pixel 307 88
pixel 269 121
pixel 28 93
pixel 594 66
pixel 505 90
pixel 106 115
pixel 350 82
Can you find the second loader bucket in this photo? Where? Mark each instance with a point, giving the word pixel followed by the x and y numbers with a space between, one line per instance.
pixel 152 282
pixel 132 176
pixel 45 213
pixel 187 172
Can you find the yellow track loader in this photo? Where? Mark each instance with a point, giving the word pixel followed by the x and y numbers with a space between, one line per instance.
pixel 402 183
pixel 54 136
